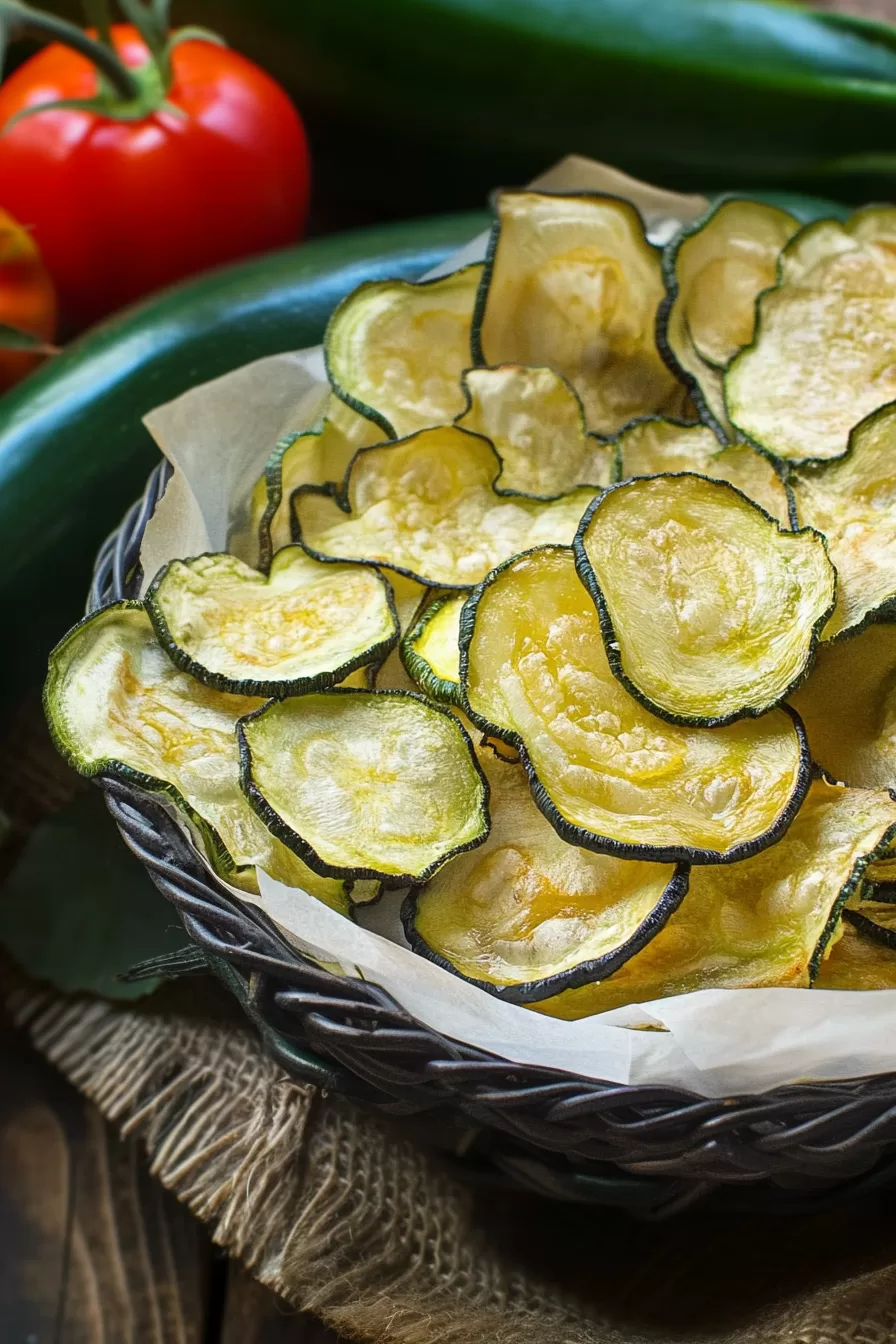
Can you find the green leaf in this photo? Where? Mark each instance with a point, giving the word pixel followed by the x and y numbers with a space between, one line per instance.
pixel 96 104
pixel 78 909
pixel 145 19
pixel 195 34
pixel 11 338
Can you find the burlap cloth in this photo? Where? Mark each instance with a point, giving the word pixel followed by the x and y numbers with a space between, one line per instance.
pixel 341 1215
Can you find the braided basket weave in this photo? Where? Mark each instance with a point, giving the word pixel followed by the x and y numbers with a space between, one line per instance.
pixel 655 1149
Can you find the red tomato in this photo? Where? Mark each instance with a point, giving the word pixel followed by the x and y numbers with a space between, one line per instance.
pixel 120 208
pixel 27 300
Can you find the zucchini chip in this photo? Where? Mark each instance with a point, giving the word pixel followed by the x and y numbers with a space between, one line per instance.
pixel 875 920
pixel 714 271
pixel 425 506
pixel 656 446
pixel 883 871
pixel 607 774
pixel 303 627
pixel 855 962
pixel 571 283
pixel 396 349
pixel 853 502
pixel 764 922
pixel 527 915
pixel 536 423
pixel 118 708
pixel 822 358
pixel 431 653
pixel 858 256
pixel 320 457
pixel 848 706
pixel 362 679
pixel 366 891
pixel 710 611
pixel 365 784
pixel 820 364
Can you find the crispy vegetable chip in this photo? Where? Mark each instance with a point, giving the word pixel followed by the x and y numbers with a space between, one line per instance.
pixel 853 502
pixel 572 284
pixel 766 921
pixel 608 774
pixel 709 610
pixel 396 349
pixel 875 920
pixel 883 871
pixel 848 705
pixel 118 707
pixel 431 653
pixel 535 421
pixel 654 446
pixel 824 353
pixel 714 271
pixel 856 256
pixel 365 784
pixel 526 914
pixel 426 506
pixel 320 457
pixel 857 963
pixel 304 626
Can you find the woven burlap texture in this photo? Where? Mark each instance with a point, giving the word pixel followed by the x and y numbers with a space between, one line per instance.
pixel 342 1216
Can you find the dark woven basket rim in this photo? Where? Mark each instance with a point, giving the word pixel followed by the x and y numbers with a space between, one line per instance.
pixel 651 1147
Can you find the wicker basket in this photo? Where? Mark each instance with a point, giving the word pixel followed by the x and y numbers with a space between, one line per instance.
pixel 655 1149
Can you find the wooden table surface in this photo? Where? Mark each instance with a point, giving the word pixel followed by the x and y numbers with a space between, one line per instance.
pixel 93 1250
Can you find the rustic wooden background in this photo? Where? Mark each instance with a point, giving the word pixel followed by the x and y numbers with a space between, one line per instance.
pixel 93 1250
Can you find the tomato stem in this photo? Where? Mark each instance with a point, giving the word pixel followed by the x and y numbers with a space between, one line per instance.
pixel 19 20
pixel 150 18
pixel 97 12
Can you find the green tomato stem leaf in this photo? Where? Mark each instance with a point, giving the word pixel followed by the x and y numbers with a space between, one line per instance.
pixel 18 20
pixel 193 33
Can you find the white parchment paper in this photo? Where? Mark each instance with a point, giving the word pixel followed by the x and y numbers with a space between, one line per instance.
pixel 218 437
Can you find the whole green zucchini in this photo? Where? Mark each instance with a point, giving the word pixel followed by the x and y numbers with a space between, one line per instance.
pixel 689 93
pixel 73 453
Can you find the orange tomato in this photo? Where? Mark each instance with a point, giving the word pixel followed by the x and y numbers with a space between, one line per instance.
pixel 27 298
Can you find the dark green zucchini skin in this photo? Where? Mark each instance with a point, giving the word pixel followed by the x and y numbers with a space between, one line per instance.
pixel 536 991
pixel 691 93
pixel 869 928
pixel 73 453
pixel 576 835
pixel 273 480
pixel 418 669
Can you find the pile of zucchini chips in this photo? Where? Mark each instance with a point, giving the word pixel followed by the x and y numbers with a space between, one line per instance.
pixel 569 618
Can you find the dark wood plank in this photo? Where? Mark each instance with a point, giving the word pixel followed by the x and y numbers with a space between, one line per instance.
pixel 92 1250
pixel 255 1315
pixel 35 1182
